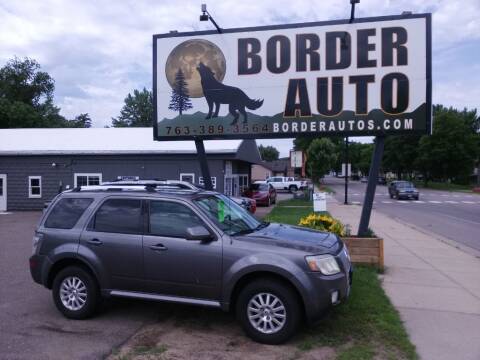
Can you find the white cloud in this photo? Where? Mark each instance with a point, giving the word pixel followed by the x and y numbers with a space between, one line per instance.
pixel 99 50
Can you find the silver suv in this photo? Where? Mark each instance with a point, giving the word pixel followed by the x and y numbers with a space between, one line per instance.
pixel 187 246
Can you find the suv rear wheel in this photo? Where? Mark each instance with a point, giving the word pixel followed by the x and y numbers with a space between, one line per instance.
pixel 268 311
pixel 75 293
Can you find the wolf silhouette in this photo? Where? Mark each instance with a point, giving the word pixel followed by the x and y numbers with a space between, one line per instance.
pixel 217 93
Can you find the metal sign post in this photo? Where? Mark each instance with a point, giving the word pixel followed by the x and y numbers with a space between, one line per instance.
pixel 372 184
pixel 202 158
pixel 346 171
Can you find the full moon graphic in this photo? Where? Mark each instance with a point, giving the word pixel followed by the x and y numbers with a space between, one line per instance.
pixel 187 55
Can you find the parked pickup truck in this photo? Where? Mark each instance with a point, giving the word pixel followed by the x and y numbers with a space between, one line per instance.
pixel 286 183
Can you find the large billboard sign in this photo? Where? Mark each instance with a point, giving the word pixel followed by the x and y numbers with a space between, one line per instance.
pixel 370 77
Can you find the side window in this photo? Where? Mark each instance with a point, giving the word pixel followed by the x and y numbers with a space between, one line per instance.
pixel 66 213
pixel 119 216
pixel 171 219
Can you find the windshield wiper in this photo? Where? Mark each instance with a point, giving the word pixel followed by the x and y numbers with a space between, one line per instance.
pixel 248 231
pixel 262 225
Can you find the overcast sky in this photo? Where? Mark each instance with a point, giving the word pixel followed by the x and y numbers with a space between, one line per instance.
pixel 100 50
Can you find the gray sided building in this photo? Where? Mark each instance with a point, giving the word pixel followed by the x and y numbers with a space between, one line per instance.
pixel 35 164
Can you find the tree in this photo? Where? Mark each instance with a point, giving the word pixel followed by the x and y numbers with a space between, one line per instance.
pixel 26 96
pixel 82 121
pixel 22 80
pixel 268 153
pixel 137 111
pixel 321 157
pixel 365 158
pixel 449 154
pixel 400 153
pixel 180 100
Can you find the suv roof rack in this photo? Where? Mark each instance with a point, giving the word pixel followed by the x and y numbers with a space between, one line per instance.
pixel 147 188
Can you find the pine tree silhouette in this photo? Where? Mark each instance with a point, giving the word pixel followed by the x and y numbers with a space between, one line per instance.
pixel 180 100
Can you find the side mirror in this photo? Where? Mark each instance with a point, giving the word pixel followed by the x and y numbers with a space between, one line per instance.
pixel 198 233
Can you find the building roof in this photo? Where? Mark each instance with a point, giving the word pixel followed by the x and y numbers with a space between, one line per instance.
pixel 78 141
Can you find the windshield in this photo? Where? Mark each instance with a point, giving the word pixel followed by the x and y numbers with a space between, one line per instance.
pixel 228 215
pixel 259 187
pixel 404 185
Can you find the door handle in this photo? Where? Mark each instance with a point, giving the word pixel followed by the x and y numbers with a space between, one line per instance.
pixel 158 247
pixel 95 242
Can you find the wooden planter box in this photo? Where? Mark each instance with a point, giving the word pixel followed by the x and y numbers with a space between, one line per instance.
pixel 367 251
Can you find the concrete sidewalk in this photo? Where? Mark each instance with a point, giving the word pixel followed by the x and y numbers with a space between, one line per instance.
pixel 434 286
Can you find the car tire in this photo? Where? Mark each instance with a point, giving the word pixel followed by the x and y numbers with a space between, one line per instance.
pixel 417 197
pixel 75 293
pixel 292 188
pixel 279 325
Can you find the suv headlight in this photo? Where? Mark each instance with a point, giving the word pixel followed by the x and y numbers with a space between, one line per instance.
pixel 326 264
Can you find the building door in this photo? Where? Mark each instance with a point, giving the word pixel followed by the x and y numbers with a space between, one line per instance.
pixel 3 192
pixel 231 185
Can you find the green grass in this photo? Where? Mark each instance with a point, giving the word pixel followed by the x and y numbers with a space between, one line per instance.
pixel 295 202
pixel 367 326
pixel 282 213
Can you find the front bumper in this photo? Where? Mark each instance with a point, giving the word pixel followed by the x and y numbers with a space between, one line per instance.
pixel 328 291
pixel 407 195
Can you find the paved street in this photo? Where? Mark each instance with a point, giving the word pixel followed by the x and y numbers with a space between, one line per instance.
pixel 454 215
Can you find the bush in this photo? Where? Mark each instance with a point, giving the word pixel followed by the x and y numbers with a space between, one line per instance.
pixel 323 223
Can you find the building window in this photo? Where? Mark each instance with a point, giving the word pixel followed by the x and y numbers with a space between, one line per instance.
pixel 80 179
pixel 34 186
pixel 214 181
pixel 243 181
pixel 188 177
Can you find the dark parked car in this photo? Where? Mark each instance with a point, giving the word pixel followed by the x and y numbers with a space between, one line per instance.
pixel 262 193
pixel 187 246
pixel 403 190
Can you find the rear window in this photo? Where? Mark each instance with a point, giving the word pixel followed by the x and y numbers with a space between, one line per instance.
pixel 66 213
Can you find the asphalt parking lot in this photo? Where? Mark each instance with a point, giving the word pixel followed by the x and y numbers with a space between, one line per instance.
pixel 30 325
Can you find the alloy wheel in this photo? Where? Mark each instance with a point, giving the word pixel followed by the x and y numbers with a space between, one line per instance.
pixel 73 293
pixel 266 313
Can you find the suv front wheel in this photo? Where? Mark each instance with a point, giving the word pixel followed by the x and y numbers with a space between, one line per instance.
pixel 268 311
pixel 75 293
